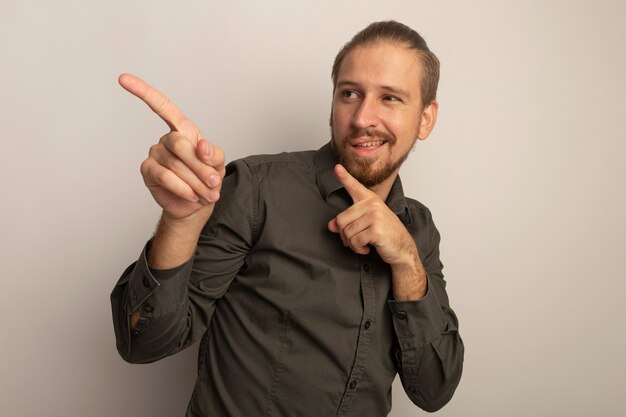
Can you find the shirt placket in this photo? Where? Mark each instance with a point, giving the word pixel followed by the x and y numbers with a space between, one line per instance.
pixel 365 331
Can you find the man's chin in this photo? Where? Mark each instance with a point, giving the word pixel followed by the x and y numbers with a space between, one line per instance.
pixel 365 174
pixel 368 170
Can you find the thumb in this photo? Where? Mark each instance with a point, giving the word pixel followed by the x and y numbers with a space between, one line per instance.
pixel 356 190
pixel 204 150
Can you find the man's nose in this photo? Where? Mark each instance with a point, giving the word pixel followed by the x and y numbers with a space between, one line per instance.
pixel 366 114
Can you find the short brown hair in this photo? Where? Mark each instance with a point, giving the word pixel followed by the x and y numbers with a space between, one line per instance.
pixel 398 33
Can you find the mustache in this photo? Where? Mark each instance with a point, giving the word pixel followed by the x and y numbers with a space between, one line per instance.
pixel 370 133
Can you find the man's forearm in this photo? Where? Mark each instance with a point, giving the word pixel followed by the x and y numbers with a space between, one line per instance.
pixel 175 241
pixel 409 279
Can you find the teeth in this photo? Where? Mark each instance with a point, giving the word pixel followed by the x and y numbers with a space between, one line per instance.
pixel 370 144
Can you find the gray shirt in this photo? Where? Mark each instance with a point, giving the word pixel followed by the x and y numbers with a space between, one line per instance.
pixel 291 322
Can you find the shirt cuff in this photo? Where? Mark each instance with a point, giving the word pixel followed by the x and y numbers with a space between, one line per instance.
pixel 417 322
pixel 157 292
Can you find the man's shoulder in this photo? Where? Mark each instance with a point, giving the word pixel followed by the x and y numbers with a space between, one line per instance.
pixel 281 165
pixel 419 211
pixel 301 158
pixel 416 205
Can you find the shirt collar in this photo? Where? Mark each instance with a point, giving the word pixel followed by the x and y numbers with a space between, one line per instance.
pixel 325 160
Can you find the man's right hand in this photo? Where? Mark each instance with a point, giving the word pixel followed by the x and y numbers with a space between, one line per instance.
pixel 183 170
pixel 184 173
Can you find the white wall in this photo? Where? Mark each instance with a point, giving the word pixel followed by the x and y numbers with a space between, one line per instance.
pixel 524 174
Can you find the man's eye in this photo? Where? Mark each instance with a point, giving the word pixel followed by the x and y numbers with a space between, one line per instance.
pixel 349 94
pixel 390 98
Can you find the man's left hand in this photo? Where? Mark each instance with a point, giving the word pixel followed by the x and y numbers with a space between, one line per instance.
pixel 369 222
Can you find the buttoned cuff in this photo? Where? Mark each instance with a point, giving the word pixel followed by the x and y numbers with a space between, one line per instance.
pixel 157 292
pixel 417 322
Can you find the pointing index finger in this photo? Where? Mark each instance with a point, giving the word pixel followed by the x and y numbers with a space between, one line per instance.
pixel 160 104
pixel 356 190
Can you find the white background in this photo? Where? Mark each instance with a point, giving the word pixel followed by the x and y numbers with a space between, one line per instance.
pixel 524 173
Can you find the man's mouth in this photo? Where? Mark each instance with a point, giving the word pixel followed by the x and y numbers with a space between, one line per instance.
pixel 369 144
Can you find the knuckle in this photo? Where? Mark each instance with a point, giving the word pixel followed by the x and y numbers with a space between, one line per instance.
pixel 176 165
pixel 163 105
pixel 161 176
pixel 170 137
pixel 355 242
pixel 378 205
pixel 179 145
pixel 165 138
pixel 144 167
pixel 154 150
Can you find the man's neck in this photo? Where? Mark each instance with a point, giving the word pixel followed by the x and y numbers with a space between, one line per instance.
pixel 382 190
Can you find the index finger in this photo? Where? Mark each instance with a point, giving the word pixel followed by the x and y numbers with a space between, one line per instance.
pixel 159 104
pixel 356 190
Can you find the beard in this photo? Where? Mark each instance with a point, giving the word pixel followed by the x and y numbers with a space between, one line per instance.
pixel 368 171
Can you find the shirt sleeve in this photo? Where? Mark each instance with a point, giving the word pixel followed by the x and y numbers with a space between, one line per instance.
pixel 430 350
pixel 176 305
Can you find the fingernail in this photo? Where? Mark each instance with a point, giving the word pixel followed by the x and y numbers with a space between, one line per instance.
pixel 209 149
pixel 214 181
pixel 214 196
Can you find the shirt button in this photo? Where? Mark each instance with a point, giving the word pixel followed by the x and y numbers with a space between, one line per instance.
pixel 366 268
pixel 401 315
pixel 367 325
pixel 135 333
pixel 148 308
pixel 353 385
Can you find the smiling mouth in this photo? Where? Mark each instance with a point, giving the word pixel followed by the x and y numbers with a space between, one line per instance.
pixel 369 144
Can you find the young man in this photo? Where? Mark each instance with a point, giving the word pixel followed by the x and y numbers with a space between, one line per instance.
pixel 309 277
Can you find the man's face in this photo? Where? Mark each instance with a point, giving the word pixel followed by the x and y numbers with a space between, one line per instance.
pixel 377 112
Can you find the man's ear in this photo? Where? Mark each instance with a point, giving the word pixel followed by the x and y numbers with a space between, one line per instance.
pixel 428 120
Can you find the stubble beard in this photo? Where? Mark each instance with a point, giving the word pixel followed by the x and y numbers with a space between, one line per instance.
pixel 368 171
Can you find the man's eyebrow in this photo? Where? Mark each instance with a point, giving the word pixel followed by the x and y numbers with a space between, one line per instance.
pixel 395 91
pixel 387 88
pixel 345 83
